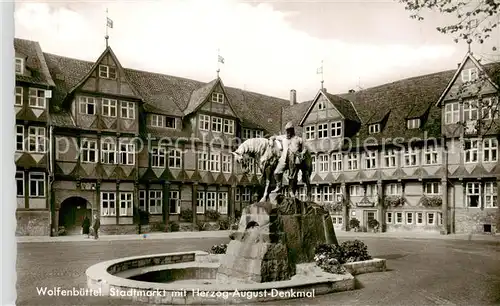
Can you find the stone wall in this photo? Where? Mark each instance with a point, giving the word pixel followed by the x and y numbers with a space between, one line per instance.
pixel 33 223
pixel 472 220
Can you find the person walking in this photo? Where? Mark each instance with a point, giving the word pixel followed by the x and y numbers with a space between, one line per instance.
pixel 96 225
pixel 86 226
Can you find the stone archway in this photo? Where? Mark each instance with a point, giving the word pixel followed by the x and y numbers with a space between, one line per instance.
pixel 72 213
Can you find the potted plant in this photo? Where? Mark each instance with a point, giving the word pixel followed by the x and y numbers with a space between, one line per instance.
pixel 354 223
pixel 373 224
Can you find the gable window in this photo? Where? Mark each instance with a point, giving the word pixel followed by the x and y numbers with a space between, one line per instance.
pixel 336 162
pixel 470 110
pixel 37 184
pixel 222 199
pixel 471 150
pixel 228 126
pixel 126 200
pixel 202 161
pixel 107 72
pixel 157 120
pixel 211 200
pixel 87 105
pixel 430 155
pixel 128 110
pixel 490 194
pixel 127 153
pixel 158 157
pixel 336 128
pixel 109 107
pixel 469 75
pixel 473 194
pixel 19 138
pixel 89 151
pixel 490 150
pixel 214 162
pixel 452 113
pixel 370 159
pixel 352 161
pixel 36 136
pixel 411 157
pixel 310 132
pixel 432 188
pixel 19 96
pixel 155 201
pixel 174 204
pixel 489 108
pixel 217 97
pixel 413 123
pixel 204 122
pixel 20 183
pixel 37 98
pixel 217 124
pixel 393 189
pixel 174 159
pixel 108 151
pixel 374 128
pixel 322 131
pixel 323 162
pixel 390 158
pixel 19 65
pixel 170 122
pixel 321 105
pixel 200 202
pixel 108 204
pixel 226 163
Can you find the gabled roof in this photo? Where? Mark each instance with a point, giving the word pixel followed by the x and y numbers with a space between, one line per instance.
pixel 294 113
pixel 34 62
pixel 201 95
pixel 344 107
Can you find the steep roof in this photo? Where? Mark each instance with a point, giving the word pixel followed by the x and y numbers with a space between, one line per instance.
pixel 345 107
pixel 34 63
pixel 294 113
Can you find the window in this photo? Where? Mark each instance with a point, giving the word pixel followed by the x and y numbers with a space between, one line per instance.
pixel 371 190
pixel 440 218
pixel 142 200
pixel 36 137
pixel 19 138
pixel 237 195
pixel 126 200
pixel 89 151
pixel 19 96
pixel 203 161
pixel 490 150
pixel 174 202
pixel 316 194
pixel 214 162
pixel 313 163
pixel 409 218
pixel 470 110
pixel 399 218
pixel 336 162
pixel 109 107
pixel 490 194
pixel 469 75
pixel 432 188
pixel 393 189
pixel 107 72
pixel 354 190
pixel 451 113
pixel 336 128
pixel 174 159
pixel 327 194
pixel 419 217
pixel 321 105
pixel 246 134
pixel 222 199
pixel 20 183
pixel 259 133
pixel 37 98
pixel 431 218
pixel 411 157
pixel 217 124
pixel 226 164
pixel 87 106
pixel 217 97
pixel 322 131
pixel 388 217
pixel 157 121
pixel 127 154
pixel 310 132
pixel 473 192
pixel 211 199
pixel 200 202
pixel 108 202
pixel 390 158
pixel 413 123
pixel 246 194
pixel 352 161
pixel 108 151
pixel 19 62
pixel 158 157
pixel 170 123
pixel 430 155
pixel 128 110
pixel 228 126
pixel 374 128
pixel 489 108
pixel 323 162
pixel 471 150
pixel 370 159
pixel 155 201
pixel 204 122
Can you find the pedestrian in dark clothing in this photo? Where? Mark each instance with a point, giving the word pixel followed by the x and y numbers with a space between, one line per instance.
pixel 86 226
pixel 96 225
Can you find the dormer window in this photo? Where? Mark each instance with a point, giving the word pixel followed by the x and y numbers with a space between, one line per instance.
pixel 107 72
pixel 469 75
pixel 170 122
pixel 217 97
pixel 19 65
pixel 157 121
pixel 413 123
pixel 374 128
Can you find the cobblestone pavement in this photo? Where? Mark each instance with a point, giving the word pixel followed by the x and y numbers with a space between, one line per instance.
pixel 421 271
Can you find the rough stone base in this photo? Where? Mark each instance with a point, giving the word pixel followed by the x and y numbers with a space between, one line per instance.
pixel 123 229
pixel 33 223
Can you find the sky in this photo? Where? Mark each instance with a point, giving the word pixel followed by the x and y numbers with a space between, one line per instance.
pixel 268 47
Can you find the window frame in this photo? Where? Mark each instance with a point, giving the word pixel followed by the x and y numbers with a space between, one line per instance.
pixel 108 149
pixel 19 94
pixel 20 143
pixel 413 123
pixel 126 210
pixel 156 200
pixel 19 62
pixel 473 189
pixel 107 106
pixel 217 124
pixel 84 103
pixel 37 138
pixel 175 160
pixel 222 202
pixel 108 72
pixel 469 74
pixel 126 149
pixel 490 145
pixel 452 113
pixel 158 157
pixel 87 150
pixel 39 101
pixel 322 130
pixel 20 178
pixel 109 199
pixel 310 131
pixel 205 122
pixel 217 97
pixel 471 155
pixel 129 108
pixel 336 129
pixel 374 128
pixel 174 199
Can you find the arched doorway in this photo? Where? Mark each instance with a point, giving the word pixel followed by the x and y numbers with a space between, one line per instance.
pixel 72 212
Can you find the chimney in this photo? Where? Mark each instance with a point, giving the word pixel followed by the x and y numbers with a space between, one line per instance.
pixel 352 91
pixel 293 97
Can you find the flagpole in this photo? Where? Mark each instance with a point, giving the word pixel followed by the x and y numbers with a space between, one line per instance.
pixel 322 80
pixel 107 36
pixel 218 65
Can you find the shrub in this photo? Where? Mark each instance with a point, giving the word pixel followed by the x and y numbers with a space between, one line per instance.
pixel 212 215
pixel 394 201
pixel 173 226
pixel 354 223
pixel 431 201
pixel 187 215
pixel 157 227
pixel 218 249
pixel 354 250
pixel 372 223
pixel 329 264
pixel 201 225
pixel 224 224
pixel 348 251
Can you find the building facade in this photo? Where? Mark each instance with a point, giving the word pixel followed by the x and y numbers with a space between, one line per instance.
pixel 95 137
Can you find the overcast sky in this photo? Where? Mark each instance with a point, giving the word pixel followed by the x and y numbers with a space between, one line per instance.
pixel 269 47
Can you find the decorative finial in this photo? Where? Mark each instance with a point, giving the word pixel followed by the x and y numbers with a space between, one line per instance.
pixel 109 24
pixel 220 59
pixel 320 71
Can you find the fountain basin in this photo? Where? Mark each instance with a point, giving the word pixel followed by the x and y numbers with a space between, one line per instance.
pixel 190 278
